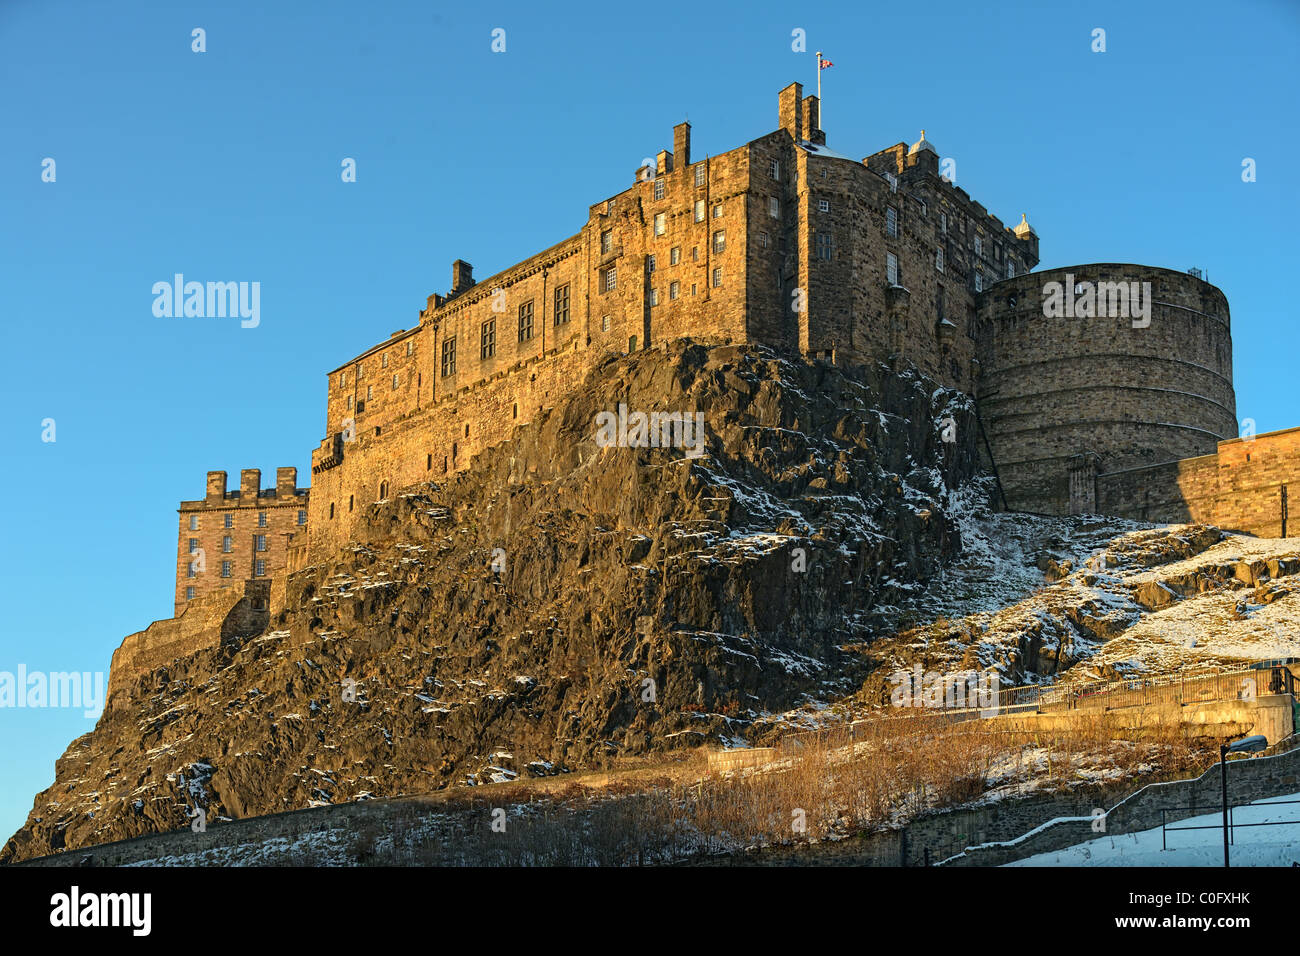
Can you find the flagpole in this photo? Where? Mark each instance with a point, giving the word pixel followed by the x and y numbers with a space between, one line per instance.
pixel 819 90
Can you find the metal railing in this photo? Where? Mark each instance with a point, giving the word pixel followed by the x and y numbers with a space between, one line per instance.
pixel 1166 829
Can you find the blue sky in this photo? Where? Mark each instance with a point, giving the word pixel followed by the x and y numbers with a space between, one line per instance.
pixel 225 165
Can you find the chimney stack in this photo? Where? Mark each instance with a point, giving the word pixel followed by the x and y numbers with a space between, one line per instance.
pixel 811 116
pixel 462 276
pixel 286 482
pixel 216 486
pixel 791 111
pixel 250 483
pixel 682 144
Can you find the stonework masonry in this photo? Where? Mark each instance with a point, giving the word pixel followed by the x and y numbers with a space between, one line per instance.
pixel 787 243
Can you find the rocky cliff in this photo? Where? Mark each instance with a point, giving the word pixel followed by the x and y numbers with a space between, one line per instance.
pixel 559 605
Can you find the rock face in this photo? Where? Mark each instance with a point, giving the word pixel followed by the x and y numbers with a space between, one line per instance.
pixel 557 606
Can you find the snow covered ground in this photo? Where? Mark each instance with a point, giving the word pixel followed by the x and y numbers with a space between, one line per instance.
pixel 1252 845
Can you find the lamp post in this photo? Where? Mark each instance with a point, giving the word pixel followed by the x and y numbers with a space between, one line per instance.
pixel 1252 744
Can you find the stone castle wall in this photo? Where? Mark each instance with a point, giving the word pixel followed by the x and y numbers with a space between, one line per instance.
pixel 1055 388
pixel 1239 488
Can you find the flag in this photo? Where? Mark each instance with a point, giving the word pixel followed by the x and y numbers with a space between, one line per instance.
pixel 824 64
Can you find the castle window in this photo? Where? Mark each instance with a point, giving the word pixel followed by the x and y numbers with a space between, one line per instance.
pixel 383 490
pixel 1011 269
pixel 979 281
pixel 606 241
pixel 467 430
pixel 259 568
pixel 824 245
pixel 631 344
pixel 370 392
pixel 331 511
pixel 361 371
pixel 449 357
pixel 302 517
pixel 229 520
pixel 227 544
pixel 526 321
pixel 891 268
pixel 823 205
pixel 383 360
pixel 514 411
pixel 774 167
pixel 661 223
pixel 609 279
pixel 410 347
pixel 938 260
pixel 654 297
pixel 719 241
pixel 394 382
pixel 893 182
pixel 943 223
pixel 774 207
pixel 675 255
pixel 261 542
pixel 979 246
pixel 194 545
pixel 561 304
pixel 351 499
pixel 717 211
pixel 699 210
pixel 189 593
pixel 194 522
pixel 190 570
pixel 762 240
pixel 674 290
pixel 659 188
pixel 488 339
pixel 604 323
pixel 692 288
pixel 924 208
pixel 226 568
pixel 695 253
pixel 699 174
pixel 891 222
pixel 349 403
pixel 650 263
pixel 261 519
pixel 717 277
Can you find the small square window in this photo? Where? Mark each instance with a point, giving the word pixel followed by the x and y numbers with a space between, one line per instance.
pixel 774 167
pixel 604 323
pixel 675 255
pixel 654 297
pixel 194 522
pixel 659 189
pixel 229 520
pixel 774 207
pixel 824 246
pixel 717 211
pixel 609 279
pixel 189 593
pixel 650 263
pixel 699 210
pixel 370 392
pixel 893 182
pixel 823 205
pixel 661 223
pixel 695 253
pixel 674 290
pixel 261 519
pixel 717 277
pixel 762 240
pixel 719 241
pixel 226 568
pixel 607 240
pixel 227 544
pixel 302 517
pixel 259 568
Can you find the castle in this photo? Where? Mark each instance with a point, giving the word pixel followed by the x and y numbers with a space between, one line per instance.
pixel 786 243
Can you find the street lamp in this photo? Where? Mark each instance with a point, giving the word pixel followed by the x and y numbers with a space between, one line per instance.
pixel 1252 744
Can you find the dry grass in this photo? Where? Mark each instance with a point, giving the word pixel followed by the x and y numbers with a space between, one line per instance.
pixel 832 785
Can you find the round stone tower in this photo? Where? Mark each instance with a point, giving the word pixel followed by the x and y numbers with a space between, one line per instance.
pixel 1093 369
